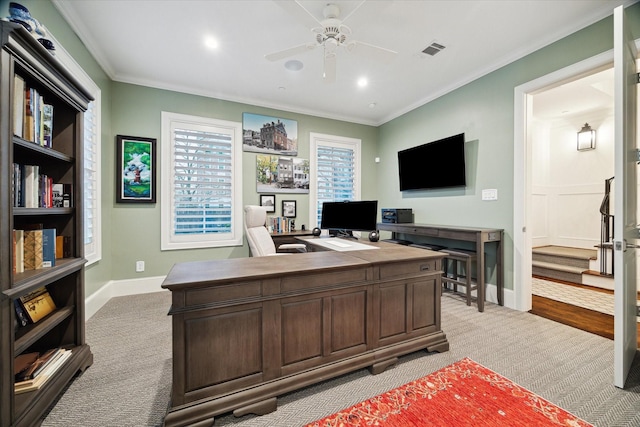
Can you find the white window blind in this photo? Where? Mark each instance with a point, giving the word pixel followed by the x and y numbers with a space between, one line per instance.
pixel 201 204
pixel 91 184
pixel 335 165
pixel 92 146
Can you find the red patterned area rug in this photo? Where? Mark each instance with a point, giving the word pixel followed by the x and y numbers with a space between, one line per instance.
pixel 462 394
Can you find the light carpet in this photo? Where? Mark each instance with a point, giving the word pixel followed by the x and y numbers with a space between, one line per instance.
pixel 129 382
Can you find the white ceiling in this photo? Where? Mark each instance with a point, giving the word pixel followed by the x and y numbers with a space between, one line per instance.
pixel 161 44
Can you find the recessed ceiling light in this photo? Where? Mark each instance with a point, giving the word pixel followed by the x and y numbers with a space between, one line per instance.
pixel 362 82
pixel 372 105
pixel 211 42
pixel 293 65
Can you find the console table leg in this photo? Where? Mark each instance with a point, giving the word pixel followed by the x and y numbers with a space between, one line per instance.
pixel 380 367
pixel 260 408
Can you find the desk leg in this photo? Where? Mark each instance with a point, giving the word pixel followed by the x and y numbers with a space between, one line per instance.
pixel 480 272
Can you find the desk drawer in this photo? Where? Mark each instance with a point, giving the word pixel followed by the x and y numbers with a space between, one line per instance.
pixel 408 268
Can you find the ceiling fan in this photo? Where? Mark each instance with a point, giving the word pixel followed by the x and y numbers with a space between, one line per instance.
pixel 331 35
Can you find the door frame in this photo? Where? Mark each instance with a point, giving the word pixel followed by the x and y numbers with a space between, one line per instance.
pixel 522 170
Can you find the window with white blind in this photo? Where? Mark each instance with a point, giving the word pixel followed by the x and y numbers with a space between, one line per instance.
pixel 201 182
pixel 92 146
pixel 335 172
pixel 92 222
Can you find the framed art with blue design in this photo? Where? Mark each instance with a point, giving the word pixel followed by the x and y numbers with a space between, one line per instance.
pixel 135 169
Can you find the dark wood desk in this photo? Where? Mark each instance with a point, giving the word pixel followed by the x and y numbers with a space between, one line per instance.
pixel 288 237
pixel 480 236
pixel 246 330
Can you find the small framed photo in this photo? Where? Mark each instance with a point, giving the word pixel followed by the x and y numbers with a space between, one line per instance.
pixel 289 208
pixel 135 169
pixel 268 200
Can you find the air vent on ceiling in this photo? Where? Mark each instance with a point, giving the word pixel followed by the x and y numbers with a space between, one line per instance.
pixel 433 48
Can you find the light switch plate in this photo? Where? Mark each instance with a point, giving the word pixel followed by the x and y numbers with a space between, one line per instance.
pixel 490 194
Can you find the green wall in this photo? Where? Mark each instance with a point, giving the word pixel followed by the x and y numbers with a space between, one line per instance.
pixel 98 273
pixel 138 113
pixel 483 109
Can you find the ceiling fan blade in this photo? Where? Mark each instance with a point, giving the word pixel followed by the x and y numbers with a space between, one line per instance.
pixel 329 72
pixel 370 51
pixel 276 56
pixel 299 12
pixel 355 9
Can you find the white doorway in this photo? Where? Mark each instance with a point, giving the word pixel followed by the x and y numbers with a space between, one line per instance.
pixel 527 130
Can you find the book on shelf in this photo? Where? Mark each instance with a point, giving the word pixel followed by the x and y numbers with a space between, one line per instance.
pixel 28 119
pixel 22 362
pixel 21 316
pixel 47 123
pixel 48 247
pixel 37 304
pixel 18 251
pixel 32 116
pixel 18 105
pixel 44 371
pixel 63 247
pixel 281 224
pixel 32 249
pixel 61 195
pixel 32 370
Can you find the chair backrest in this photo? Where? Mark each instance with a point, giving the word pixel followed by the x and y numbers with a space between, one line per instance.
pixel 260 241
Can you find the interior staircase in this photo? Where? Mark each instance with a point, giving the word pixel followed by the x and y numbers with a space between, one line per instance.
pixel 563 263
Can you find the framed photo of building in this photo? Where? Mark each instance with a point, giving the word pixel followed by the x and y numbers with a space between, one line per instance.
pixel 135 169
pixel 282 174
pixel 289 208
pixel 266 134
pixel 269 201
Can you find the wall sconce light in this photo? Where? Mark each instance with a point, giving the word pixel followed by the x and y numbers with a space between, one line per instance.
pixel 586 138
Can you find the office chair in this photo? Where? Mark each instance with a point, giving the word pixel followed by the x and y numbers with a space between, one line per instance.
pixel 260 241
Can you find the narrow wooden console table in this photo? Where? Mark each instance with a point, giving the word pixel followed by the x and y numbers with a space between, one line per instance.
pixel 247 330
pixel 480 236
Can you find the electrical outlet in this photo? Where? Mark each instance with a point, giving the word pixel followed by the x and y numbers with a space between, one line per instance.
pixel 139 266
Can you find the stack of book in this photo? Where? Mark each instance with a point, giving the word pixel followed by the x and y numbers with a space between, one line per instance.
pixel 32 307
pixel 35 249
pixel 32 117
pixel 33 189
pixel 32 370
pixel 280 224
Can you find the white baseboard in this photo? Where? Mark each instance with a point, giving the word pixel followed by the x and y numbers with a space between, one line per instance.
pixel 491 295
pixel 119 288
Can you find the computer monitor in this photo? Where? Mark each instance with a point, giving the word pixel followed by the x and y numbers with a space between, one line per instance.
pixel 341 218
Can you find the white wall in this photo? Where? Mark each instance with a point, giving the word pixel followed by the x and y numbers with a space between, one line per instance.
pixel 568 185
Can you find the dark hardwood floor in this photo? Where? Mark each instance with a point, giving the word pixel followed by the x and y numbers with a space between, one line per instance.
pixel 577 317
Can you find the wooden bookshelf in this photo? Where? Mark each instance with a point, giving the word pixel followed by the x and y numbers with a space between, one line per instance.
pixel 61 159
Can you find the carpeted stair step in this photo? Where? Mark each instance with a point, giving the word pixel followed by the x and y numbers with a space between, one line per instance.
pixel 557 271
pixel 572 257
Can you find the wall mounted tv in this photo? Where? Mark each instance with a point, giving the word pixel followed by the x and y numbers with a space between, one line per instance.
pixel 340 218
pixel 437 164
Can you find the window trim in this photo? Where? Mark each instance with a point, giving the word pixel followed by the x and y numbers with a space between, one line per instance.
pixel 168 241
pixel 319 139
pixel 92 251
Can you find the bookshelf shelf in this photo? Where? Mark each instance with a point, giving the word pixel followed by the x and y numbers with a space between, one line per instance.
pixel 32 148
pixel 41 115
pixel 31 333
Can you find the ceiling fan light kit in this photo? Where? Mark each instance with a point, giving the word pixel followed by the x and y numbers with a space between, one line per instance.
pixel 332 34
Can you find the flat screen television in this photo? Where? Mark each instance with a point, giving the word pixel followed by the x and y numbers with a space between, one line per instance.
pixel 437 164
pixel 340 218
